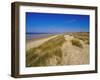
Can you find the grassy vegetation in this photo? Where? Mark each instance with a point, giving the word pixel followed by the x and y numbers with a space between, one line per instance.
pixel 38 56
pixel 51 49
pixel 76 42
pixel 82 36
pixel 86 41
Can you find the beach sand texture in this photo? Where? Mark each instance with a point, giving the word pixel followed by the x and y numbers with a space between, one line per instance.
pixel 61 49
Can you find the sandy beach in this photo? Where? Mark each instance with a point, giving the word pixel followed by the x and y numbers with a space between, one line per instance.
pixel 33 44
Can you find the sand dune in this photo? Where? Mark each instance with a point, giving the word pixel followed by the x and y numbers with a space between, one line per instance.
pixel 74 55
pixel 58 50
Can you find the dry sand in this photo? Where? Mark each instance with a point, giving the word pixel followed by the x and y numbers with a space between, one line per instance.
pixel 74 55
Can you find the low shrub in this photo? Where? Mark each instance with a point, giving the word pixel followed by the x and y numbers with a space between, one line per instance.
pixel 76 42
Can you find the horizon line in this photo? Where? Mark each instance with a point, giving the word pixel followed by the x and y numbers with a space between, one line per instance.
pixel 52 32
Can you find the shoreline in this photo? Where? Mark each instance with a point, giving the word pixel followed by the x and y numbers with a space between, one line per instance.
pixel 36 43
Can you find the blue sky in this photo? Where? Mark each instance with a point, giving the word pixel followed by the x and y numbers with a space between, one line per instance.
pixel 56 23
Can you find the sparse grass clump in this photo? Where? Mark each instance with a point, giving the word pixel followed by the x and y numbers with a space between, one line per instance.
pixel 38 56
pixel 76 42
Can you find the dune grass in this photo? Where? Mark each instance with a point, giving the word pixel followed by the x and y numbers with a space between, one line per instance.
pixel 83 36
pixel 51 50
pixel 76 42
pixel 38 56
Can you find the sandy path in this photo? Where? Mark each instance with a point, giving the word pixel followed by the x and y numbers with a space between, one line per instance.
pixel 33 44
pixel 73 55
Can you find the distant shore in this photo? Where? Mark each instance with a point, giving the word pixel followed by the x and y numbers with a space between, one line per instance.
pixel 36 42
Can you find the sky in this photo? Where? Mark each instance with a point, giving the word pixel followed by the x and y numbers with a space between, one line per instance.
pixel 56 23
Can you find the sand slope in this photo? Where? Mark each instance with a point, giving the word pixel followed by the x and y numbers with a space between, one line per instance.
pixel 70 54
pixel 73 54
